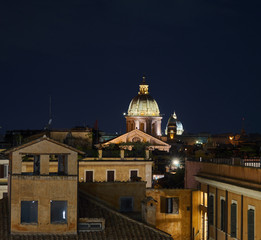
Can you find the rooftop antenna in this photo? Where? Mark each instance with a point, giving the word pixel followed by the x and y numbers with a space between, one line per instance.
pixel 243 132
pixel 50 114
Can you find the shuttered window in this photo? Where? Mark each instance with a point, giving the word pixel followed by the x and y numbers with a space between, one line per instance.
pixel 251 224
pixel 133 175
pixel 110 176
pixel 169 205
pixel 222 214
pixel 211 210
pixel 233 220
pixel 89 176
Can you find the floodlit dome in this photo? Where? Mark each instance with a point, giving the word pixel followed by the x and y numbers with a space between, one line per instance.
pixel 143 104
pixel 173 121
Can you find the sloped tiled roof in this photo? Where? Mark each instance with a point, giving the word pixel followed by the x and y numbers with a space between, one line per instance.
pixel 117 226
pixel 44 138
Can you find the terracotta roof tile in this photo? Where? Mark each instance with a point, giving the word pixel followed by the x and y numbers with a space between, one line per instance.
pixel 117 226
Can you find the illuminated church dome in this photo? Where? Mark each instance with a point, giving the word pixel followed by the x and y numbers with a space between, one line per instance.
pixel 143 104
pixel 174 127
pixel 143 112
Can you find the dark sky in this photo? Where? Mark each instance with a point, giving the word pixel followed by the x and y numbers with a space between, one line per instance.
pixel 202 59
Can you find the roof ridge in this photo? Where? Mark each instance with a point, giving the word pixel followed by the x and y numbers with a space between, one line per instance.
pixel 97 201
pixel 21 146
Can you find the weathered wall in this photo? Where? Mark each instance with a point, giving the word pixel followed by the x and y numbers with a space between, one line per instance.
pixel 110 192
pixel 44 189
pixel 178 225
pixel 191 169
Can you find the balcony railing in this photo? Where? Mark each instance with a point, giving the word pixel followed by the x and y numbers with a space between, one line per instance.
pixel 245 162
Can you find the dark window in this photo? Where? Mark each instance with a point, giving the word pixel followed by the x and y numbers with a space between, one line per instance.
pixel 5 171
pixel 1 171
pixel 89 176
pixel 110 176
pixel 133 175
pixel 211 209
pixel 222 214
pixel 251 224
pixel 58 211
pixel 29 211
pixel 169 205
pixel 126 204
pixel 36 164
pixel 62 164
pixel 233 220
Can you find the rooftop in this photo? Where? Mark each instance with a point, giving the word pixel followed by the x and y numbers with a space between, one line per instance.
pixel 117 225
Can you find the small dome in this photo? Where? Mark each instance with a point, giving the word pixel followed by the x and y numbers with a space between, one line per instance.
pixel 143 104
pixel 173 121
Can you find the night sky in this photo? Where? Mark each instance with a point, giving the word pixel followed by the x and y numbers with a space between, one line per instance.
pixel 201 58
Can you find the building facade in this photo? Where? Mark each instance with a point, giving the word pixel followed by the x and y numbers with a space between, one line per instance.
pixel 230 200
pixel 41 201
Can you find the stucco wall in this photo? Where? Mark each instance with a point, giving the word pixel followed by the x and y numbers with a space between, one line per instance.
pixel 122 170
pixel 44 189
pixel 178 225
pixel 110 192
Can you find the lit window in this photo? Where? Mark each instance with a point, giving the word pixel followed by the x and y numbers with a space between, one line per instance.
pixel 29 211
pixel 58 212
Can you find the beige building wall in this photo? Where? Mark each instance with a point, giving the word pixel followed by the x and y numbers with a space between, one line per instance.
pixel 178 225
pixel 24 185
pixel 111 192
pixel 33 188
pixel 234 184
pixel 122 170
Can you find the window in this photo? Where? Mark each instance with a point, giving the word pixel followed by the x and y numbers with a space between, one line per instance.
pixel 58 211
pixel 36 164
pixel 88 176
pixel 126 204
pixel 211 210
pixel 62 164
pixel 3 171
pixel 233 220
pixel 222 214
pixel 29 211
pixel 133 175
pixel 251 223
pixel 169 205
pixel 110 176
